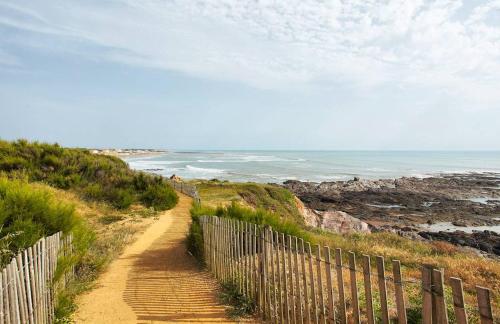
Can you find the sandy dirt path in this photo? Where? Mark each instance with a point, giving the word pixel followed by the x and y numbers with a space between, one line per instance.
pixel 154 280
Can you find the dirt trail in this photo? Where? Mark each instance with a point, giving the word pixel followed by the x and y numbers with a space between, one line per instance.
pixel 154 280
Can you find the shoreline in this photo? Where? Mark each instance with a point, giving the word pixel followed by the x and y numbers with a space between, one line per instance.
pixel 129 153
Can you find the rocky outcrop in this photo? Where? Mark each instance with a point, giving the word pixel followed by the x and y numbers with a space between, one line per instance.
pixel 486 241
pixel 407 201
pixel 331 220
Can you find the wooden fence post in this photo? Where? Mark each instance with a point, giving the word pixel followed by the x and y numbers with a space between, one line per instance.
pixel 280 279
pixel 367 278
pixel 340 286
pixel 438 294
pixel 264 284
pixel 274 296
pixel 6 292
pixel 427 306
pixel 458 300
pixel 298 290
pixel 484 304
pixel 398 287
pixel 321 297
pixel 293 314
pixel 307 308
pixel 354 288
pixel 382 289
pixel 285 280
pixel 329 285
pixel 313 289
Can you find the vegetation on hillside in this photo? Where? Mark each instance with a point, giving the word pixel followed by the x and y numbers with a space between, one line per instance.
pixel 95 177
pixel 28 213
pixel 266 197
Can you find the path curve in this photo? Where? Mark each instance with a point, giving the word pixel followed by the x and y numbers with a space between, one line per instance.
pixel 155 280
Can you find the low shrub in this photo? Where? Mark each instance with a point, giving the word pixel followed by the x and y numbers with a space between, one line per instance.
pixel 120 198
pixel 28 213
pixel 159 197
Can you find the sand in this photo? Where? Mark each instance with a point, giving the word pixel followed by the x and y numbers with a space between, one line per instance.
pixel 155 280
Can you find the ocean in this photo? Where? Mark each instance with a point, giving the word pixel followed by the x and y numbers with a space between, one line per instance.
pixel 316 166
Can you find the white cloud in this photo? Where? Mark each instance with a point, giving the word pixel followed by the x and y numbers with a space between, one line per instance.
pixel 278 44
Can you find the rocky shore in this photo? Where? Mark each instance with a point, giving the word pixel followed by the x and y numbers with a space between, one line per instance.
pixel 403 205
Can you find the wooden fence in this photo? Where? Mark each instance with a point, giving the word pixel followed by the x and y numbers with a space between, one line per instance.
pixel 185 188
pixel 27 287
pixel 292 282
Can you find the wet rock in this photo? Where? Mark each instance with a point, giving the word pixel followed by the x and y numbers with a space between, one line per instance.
pixel 486 241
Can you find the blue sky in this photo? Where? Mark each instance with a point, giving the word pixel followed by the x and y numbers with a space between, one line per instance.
pixel 234 74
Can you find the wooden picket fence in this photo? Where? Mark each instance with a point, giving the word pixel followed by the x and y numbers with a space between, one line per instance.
pixel 292 282
pixel 27 287
pixel 185 188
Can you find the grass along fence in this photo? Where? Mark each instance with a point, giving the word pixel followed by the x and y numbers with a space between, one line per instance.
pixel 28 290
pixel 292 282
pixel 186 188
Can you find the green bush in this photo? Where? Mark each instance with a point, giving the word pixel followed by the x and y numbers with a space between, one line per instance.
pixel 160 197
pixel 120 198
pixel 28 213
pixel 94 176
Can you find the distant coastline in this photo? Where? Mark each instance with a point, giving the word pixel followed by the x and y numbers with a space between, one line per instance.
pixel 280 166
pixel 124 153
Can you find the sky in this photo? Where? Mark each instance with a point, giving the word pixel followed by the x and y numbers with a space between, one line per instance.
pixel 235 74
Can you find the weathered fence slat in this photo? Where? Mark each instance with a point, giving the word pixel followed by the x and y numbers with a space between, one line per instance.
pixel 398 287
pixel 6 302
pixel 293 315
pixel 285 278
pixel 484 304
pixel 307 308
pixel 280 278
pixel 382 289
pixel 340 286
pixel 321 299
pixel 314 301
pixel 329 286
pixel 438 295
pixel 354 287
pixel 458 300
pixel 367 278
pixel 298 290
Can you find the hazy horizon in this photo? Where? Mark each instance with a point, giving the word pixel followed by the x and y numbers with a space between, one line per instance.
pixel 420 75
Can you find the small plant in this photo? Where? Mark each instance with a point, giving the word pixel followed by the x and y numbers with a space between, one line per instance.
pixel 109 219
pixel 240 306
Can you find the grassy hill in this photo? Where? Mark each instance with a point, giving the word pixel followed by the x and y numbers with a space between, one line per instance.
pixel 94 177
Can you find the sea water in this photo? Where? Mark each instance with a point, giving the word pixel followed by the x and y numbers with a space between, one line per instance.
pixel 316 166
